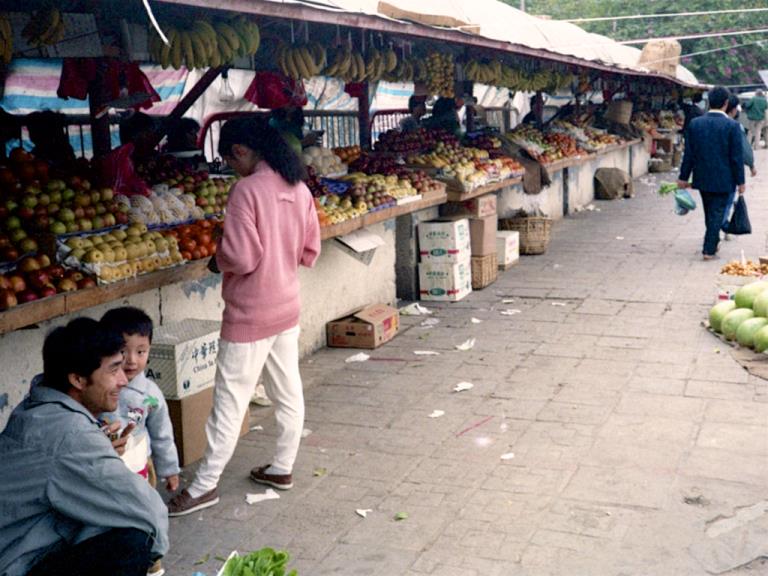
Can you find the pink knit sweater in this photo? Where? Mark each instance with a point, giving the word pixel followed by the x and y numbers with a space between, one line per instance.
pixel 271 228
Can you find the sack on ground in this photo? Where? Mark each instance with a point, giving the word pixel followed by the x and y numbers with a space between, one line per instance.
pixel 739 223
pixel 612 183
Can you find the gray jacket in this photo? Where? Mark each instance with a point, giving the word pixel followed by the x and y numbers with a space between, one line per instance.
pixel 61 482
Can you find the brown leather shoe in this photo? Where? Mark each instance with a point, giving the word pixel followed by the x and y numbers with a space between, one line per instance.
pixel 183 503
pixel 279 481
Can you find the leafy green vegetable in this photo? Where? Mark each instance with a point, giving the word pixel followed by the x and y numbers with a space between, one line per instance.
pixel 401 515
pixel 264 562
pixel 667 188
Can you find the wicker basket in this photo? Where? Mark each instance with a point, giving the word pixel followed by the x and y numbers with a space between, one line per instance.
pixel 485 270
pixel 534 232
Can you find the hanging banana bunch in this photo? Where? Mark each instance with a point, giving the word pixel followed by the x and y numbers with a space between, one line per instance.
pixel 302 61
pixel 439 74
pixel 45 27
pixel 6 40
pixel 206 44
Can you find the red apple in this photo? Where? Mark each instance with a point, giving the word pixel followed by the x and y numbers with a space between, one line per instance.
pixel 25 212
pixel 90 211
pixel 55 271
pixel 5 283
pixel 86 282
pixel 9 254
pixel 47 291
pixel 26 296
pixel 122 218
pixel 38 279
pixel 4 241
pixel 79 212
pixel 43 260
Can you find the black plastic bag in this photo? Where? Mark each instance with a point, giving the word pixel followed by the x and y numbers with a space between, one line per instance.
pixel 739 223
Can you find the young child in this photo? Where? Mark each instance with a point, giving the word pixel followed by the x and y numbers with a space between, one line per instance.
pixel 151 450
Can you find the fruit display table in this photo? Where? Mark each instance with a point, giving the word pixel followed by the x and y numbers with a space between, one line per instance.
pixel 456 194
pixel 427 200
pixel 69 302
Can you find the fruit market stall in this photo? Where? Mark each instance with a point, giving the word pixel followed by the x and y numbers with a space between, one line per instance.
pixel 70 244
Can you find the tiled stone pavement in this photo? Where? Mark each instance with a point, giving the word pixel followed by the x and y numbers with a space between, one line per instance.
pixel 638 442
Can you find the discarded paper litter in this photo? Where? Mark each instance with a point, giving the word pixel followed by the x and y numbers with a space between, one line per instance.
pixel 510 312
pixel 437 413
pixel 461 386
pixel 508 456
pixel 466 345
pixel 430 322
pixel 363 512
pixel 476 321
pixel 361 357
pixel 270 494
pixel 415 309
pixel 426 353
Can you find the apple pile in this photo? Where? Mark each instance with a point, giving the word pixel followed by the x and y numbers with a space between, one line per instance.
pixel 196 240
pixel 121 254
pixel 210 193
pixel 414 141
pixel 35 278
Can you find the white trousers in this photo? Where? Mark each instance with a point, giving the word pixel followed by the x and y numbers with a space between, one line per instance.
pixel 238 367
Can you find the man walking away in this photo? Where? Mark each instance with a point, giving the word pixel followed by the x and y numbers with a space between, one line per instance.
pixel 714 154
pixel 756 109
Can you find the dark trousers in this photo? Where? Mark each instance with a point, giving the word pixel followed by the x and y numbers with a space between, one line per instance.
pixel 715 204
pixel 118 552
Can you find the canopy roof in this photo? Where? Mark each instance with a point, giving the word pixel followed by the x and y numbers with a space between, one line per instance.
pixel 486 23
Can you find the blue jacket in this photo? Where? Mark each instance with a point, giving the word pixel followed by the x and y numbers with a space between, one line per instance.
pixel 61 482
pixel 142 403
pixel 714 153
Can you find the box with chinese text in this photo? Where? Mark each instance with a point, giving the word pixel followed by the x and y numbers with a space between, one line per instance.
pixel 182 360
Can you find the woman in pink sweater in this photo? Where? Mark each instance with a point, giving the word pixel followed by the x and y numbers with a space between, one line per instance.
pixel 271 228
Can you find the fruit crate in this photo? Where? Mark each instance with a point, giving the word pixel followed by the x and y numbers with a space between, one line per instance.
pixel 485 270
pixel 534 232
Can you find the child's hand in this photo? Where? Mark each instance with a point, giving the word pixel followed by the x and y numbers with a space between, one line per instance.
pixel 172 483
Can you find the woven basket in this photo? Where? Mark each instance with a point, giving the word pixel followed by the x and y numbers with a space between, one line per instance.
pixel 534 232
pixel 485 270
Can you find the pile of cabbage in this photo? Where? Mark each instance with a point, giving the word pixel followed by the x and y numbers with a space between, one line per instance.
pixel 745 318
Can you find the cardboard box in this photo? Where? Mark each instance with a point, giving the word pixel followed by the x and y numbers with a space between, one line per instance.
pixel 188 417
pixel 482 232
pixel 182 359
pixel 485 271
pixel 366 328
pixel 444 240
pixel 445 281
pixel 507 248
pixel 479 207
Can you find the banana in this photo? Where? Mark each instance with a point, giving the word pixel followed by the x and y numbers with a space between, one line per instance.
pixel 361 68
pixel 225 31
pixel 224 49
pixel 200 49
pixel 305 58
pixel 320 56
pixel 176 52
pixel 255 34
pixel 391 60
pixel 346 61
pixel 207 35
pixel 280 58
pixel 242 36
pixel 303 62
pixel 165 50
pixel 186 49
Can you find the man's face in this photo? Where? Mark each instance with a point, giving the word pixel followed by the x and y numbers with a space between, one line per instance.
pixel 102 389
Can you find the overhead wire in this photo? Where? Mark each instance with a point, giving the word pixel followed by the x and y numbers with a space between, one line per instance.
pixel 646 16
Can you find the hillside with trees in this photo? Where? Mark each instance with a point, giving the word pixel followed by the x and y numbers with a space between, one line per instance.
pixel 737 59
